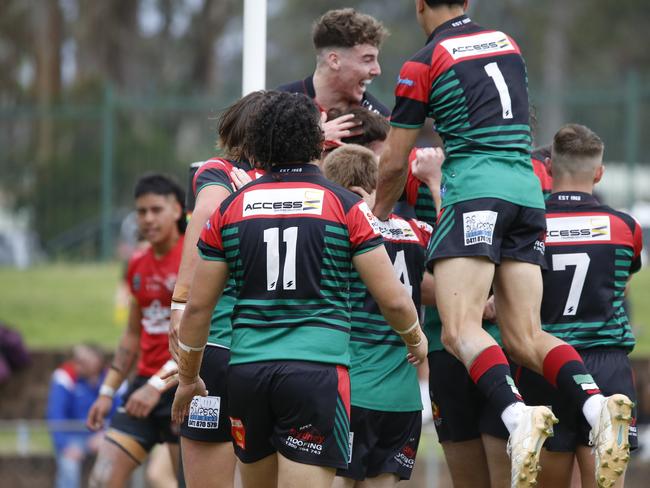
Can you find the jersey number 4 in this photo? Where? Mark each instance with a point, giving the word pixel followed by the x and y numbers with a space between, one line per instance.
pixel 581 261
pixel 272 240
pixel 494 72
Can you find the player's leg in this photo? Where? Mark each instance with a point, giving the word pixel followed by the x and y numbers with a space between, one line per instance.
pixel 118 456
pixel 292 474
pixel 455 406
pixel 202 459
pixel 558 469
pixel 386 480
pixel 497 460
pixel 343 482
pixel 457 455
pixel 205 434
pixel 163 466
pixel 260 474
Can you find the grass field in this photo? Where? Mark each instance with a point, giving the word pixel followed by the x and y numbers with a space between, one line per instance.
pixel 63 304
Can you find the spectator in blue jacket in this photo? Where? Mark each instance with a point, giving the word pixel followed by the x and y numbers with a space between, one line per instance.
pixel 73 389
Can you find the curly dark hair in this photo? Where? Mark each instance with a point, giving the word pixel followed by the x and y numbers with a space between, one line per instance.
pixel 346 27
pixel 285 130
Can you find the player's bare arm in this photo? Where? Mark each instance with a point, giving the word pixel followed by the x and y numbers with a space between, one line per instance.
pixel 377 273
pixel 209 281
pixel 125 356
pixel 207 201
pixel 393 169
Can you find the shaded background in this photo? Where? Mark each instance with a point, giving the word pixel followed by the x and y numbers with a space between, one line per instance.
pixel 93 93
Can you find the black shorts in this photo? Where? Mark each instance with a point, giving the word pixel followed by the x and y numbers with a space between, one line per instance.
pixel 489 227
pixel 382 442
pixel 156 428
pixel 300 409
pixel 460 411
pixel 208 418
pixel 611 370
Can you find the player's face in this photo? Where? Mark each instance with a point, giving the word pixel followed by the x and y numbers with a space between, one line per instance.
pixel 157 217
pixel 358 66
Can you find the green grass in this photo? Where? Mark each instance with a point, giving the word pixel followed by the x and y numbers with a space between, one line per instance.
pixel 63 304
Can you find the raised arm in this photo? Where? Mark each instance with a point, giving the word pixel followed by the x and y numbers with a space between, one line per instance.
pixel 393 169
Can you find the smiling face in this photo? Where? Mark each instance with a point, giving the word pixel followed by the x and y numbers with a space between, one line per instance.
pixel 356 67
pixel 157 218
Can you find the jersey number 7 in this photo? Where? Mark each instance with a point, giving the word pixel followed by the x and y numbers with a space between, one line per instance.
pixel 581 261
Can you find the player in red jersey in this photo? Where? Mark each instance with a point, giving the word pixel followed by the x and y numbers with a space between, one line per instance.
pixel 206 445
pixel 145 419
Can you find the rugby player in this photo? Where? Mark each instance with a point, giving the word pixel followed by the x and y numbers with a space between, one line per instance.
pixel 205 434
pixel 145 419
pixel 289 239
pixel 472 81
pixel 386 413
pixel 591 252
pixel 539 158
pixel 347 60
pixel 468 426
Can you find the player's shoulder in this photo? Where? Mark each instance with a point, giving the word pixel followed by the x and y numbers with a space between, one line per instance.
pixel 373 104
pixel 215 163
pixel 298 86
pixel 140 256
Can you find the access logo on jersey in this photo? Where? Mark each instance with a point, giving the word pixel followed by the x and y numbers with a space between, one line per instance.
pixel 284 201
pixel 584 228
pixel 478 45
pixel 478 227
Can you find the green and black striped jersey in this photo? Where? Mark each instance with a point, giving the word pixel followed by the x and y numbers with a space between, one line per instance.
pixel 591 251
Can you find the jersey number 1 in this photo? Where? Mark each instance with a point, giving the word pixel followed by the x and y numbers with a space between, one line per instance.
pixel 272 240
pixel 494 72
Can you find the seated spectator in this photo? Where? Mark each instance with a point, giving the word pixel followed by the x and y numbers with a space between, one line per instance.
pixel 73 389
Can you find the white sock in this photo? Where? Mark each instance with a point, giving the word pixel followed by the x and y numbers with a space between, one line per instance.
pixel 511 415
pixel 591 409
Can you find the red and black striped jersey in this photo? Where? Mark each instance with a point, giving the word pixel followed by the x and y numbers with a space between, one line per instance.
pixel 151 281
pixel 591 251
pixel 472 81
pixel 288 239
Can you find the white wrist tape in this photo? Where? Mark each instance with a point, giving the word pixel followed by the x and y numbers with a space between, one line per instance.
pixel 106 391
pixel 170 365
pixel 187 348
pixel 415 325
pixel 157 382
pixel 178 306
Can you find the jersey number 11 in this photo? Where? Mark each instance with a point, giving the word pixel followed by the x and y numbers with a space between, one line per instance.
pixel 272 240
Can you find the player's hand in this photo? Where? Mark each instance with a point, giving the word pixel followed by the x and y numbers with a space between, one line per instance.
pixel 142 401
pixel 490 310
pixel 418 354
pixel 183 397
pixel 341 127
pixel 239 178
pixel 369 198
pixel 98 412
pixel 174 326
pixel 171 379
pixel 427 165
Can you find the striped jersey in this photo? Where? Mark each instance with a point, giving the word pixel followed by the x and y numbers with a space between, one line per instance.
pixel 473 83
pixel 591 251
pixel 216 171
pixel 381 378
pixel 288 239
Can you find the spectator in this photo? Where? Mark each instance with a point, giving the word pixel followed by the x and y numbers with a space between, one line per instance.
pixel 73 389
pixel 13 353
